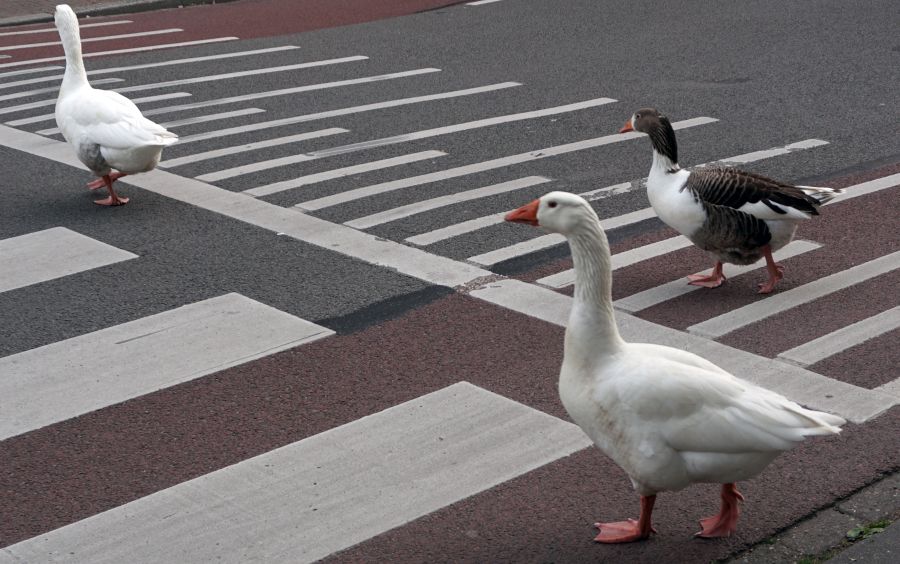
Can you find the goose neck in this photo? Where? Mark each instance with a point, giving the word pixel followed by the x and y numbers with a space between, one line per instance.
pixel 665 148
pixel 592 308
pixel 70 37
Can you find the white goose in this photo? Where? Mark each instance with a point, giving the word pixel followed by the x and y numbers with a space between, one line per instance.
pixel 738 216
pixel 668 417
pixel 106 129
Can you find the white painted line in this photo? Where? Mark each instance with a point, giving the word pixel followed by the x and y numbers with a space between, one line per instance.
pixel 245 147
pixel 546 241
pixel 867 188
pixel 623 259
pixel 843 339
pixel 456 229
pixel 52 253
pixel 343 111
pixel 27 93
pixel 341 172
pixel 54 30
pixel 852 402
pixel 93 39
pixel 288 91
pixel 788 299
pixel 210 117
pixel 487 122
pixel 62 380
pixel 892 388
pixel 434 203
pixel 416 135
pixel 122 51
pixel 52 117
pixel 501 162
pixel 29 71
pixel 240 74
pixel 803 386
pixel 679 286
pixel 481 2
pixel 292 504
pixel 174 62
pixel 232 99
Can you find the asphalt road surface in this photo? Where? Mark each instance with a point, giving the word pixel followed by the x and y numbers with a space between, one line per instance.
pixel 309 335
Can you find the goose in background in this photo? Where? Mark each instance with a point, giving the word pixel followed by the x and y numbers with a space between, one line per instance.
pixel 667 417
pixel 108 132
pixel 738 216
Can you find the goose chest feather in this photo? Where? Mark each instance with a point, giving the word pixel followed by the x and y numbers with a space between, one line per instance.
pixel 667 417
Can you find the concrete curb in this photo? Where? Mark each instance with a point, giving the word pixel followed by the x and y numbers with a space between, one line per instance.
pixel 108 9
pixel 823 535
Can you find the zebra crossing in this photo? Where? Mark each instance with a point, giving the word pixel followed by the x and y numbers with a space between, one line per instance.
pixel 313 486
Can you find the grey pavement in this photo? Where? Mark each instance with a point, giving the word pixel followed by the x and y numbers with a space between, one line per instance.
pixel 19 12
pixel 825 536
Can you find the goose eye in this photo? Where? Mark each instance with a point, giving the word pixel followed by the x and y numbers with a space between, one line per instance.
pixel 637 116
pixel 551 204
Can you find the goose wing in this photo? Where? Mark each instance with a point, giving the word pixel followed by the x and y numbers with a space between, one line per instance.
pixel 751 193
pixel 698 407
pixel 111 120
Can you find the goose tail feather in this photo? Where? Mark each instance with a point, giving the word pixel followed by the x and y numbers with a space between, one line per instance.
pixel 821 194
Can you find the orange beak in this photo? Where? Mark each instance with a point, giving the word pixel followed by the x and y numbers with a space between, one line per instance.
pixel 627 127
pixel 525 214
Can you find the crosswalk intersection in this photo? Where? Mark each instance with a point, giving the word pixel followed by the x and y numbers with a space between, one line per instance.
pixel 387 204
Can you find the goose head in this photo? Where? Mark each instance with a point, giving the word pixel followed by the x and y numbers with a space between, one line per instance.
pixel 658 127
pixel 65 18
pixel 557 212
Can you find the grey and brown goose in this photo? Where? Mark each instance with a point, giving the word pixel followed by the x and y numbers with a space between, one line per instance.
pixel 738 216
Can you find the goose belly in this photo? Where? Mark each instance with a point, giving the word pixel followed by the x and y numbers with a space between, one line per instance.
pixel 133 160
pixel 782 232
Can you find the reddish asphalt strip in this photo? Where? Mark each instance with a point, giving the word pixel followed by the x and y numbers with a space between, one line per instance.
pixel 547 514
pixel 77 468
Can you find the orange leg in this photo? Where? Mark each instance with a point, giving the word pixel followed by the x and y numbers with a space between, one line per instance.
pixel 630 530
pixel 713 280
pixel 101 182
pixel 113 199
pixel 776 272
pixel 725 522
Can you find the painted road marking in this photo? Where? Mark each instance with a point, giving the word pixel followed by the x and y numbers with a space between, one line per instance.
pixel 481 2
pixel 852 402
pixel 72 377
pixel 241 74
pixel 866 188
pixel 542 242
pixel 201 79
pixel 416 135
pixel 235 99
pixel 441 201
pixel 343 111
pixel 54 30
pixel 679 287
pixel 122 51
pixel 293 503
pixel 243 148
pixel 208 117
pixel 341 172
pixel 153 65
pixel 623 259
pixel 456 229
pixel 844 338
pixel 29 71
pixel 52 117
pixel 52 253
pixel 803 386
pixel 773 305
pixel 501 162
pixel 28 93
pixel 93 39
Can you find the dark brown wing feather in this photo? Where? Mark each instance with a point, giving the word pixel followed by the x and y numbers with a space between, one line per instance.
pixel 733 188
